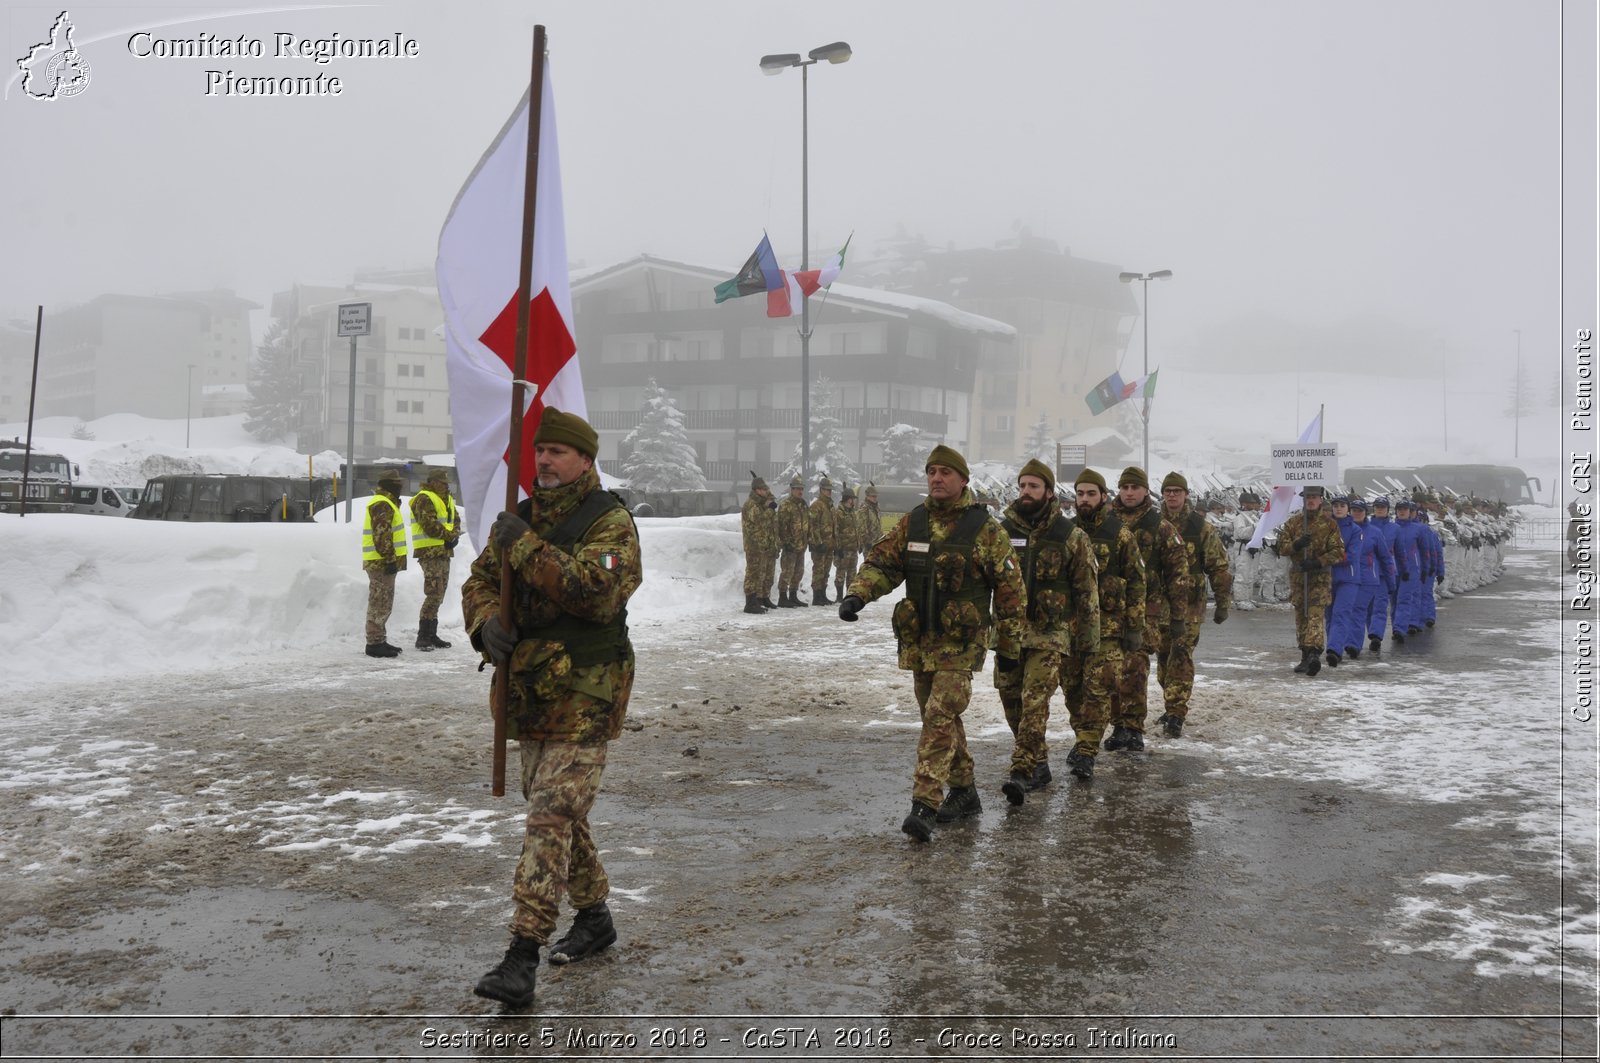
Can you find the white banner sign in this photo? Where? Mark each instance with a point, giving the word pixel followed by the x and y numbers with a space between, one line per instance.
pixel 1299 464
pixel 355 319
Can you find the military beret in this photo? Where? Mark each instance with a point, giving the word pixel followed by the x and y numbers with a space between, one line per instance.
pixel 1312 491
pixel 1175 479
pixel 756 482
pixel 950 458
pixel 1359 503
pixel 1133 476
pixel 1035 467
pixel 391 476
pixel 1089 476
pixel 568 429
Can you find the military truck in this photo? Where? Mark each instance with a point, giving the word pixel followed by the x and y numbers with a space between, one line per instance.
pixel 237 499
pixel 49 479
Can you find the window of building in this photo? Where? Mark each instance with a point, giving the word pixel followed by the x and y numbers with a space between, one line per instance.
pixel 416 370
pixel 369 439
pixel 405 333
pixel 369 407
pixel 402 443
pixel 1002 422
pixel 416 405
pixel 403 369
pixel 402 406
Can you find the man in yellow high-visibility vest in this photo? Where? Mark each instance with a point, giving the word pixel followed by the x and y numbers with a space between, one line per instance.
pixel 435 530
pixel 383 555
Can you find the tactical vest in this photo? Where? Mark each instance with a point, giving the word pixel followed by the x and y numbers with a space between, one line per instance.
pixel 1022 540
pixel 587 642
pixel 397 532
pixel 1192 530
pixel 443 508
pixel 1106 533
pixel 922 560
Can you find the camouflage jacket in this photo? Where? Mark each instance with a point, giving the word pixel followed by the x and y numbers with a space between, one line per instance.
pixel 1166 565
pixel 1327 548
pixel 955 638
pixel 425 515
pixel 871 526
pixel 551 699
pixel 1121 567
pixel 759 521
pixel 383 518
pixel 1055 611
pixel 1208 558
pixel 822 532
pixel 847 529
pixel 792 524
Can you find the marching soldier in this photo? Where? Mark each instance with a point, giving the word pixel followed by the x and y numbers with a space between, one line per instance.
pixel 435 530
pixel 1167 586
pixel 822 537
pixel 383 555
pixel 1207 560
pixel 1059 574
pixel 758 520
pixel 1314 547
pixel 793 530
pixel 847 542
pixel 954 560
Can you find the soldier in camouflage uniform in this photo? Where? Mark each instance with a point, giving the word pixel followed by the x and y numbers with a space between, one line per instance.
pixel 1061 581
pixel 793 529
pixel 822 535
pixel 1207 560
pixel 1311 541
pixel 954 558
pixel 847 542
pixel 574 555
pixel 1088 679
pixel 383 556
pixel 1167 591
pixel 759 522
pixel 871 519
pixel 435 530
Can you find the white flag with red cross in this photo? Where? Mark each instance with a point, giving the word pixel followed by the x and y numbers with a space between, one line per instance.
pixel 480 251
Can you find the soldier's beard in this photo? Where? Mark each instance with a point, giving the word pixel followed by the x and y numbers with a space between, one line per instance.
pixel 1031 507
pixel 1086 511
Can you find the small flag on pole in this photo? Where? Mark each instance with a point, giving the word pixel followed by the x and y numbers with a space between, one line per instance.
pixel 1113 389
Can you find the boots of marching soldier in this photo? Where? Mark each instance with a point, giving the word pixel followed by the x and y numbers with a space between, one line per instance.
pixel 1305 659
pixel 785 599
pixel 1314 660
pixel 428 636
pixel 1375 643
pixel 960 803
pixel 511 980
pixel 768 603
pixel 1333 659
pixel 753 605
pixel 794 599
pixel 819 594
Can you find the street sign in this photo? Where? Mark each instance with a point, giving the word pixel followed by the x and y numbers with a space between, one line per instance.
pixel 1070 461
pixel 355 319
pixel 1298 464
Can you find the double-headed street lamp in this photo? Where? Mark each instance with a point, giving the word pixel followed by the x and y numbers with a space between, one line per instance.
pixel 1145 279
pixel 837 52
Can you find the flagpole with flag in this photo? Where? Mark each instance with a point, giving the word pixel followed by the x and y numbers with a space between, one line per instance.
pixel 1284 499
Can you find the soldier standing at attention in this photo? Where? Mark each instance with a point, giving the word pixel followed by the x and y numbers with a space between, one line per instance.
pixel 435 530
pixel 1059 575
pixel 822 536
pixel 574 553
pixel 759 523
pixel 1314 547
pixel 954 559
pixel 847 542
pixel 1207 560
pixel 1088 679
pixel 1166 579
pixel 383 555
pixel 792 533
pixel 871 519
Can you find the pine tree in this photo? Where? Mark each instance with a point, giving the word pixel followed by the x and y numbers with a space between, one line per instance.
pixel 1039 444
pixel 661 458
pixel 827 441
pixel 273 410
pixel 903 454
pixel 81 430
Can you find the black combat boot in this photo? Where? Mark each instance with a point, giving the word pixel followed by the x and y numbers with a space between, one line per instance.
pixel 1041 776
pixel 592 932
pixel 433 635
pixel 919 825
pixel 819 595
pixel 838 596
pixel 511 981
pixel 1375 643
pixel 382 649
pixel 1173 725
pixel 1135 741
pixel 751 605
pixel 768 602
pixel 422 637
pixel 1118 739
pixel 1352 652
pixel 785 600
pixel 1429 623
pixel 1314 661
pixel 1082 765
pixel 794 599
pixel 1399 638
pixel 959 803
pixel 1305 658
pixel 1016 785
pixel 1333 659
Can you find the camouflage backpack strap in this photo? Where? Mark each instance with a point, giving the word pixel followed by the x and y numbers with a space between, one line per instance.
pixel 594 506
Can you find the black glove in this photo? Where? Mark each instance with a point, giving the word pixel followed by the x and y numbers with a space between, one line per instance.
pixel 1219 614
pixel 1303 542
pixel 450 543
pixel 1005 664
pixel 497 639
pixel 850 607
pixel 508 528
pixel 772 503
pixel 391 568
pixel 1253 551
pixel 1131 640
pixel 1310 564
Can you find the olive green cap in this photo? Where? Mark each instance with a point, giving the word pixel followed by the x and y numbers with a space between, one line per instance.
pixel 568 429
pixel 1035 467
pixel 950 458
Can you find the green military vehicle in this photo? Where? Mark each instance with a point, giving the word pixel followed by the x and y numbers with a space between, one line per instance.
pixel 237 499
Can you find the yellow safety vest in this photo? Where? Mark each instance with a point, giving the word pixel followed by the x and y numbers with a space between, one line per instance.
pixel 444 509
pixel 397 527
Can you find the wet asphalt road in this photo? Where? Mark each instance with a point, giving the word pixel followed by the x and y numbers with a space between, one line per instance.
pixel 1219 896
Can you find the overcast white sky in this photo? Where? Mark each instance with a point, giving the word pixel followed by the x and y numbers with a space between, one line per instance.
pixel 1310 161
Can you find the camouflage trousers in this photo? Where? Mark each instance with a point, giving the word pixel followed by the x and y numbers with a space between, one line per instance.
pixel 821 561
pixel 559 780
pixel 845 566
pixel 1310 624
pixel 1130 697
pixel 942 756
pixel 758 573
pixel 1087 682
pixel 1175 664
pixel 380 603
pixel 794 566
pixel 435 578
pixel 1025 694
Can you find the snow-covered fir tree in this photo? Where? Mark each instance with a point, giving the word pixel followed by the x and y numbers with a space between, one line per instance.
pixel 827 442
pixel 661 458
pixel 273 409
pixel 1039 444
pixel 903 455
pixel 81 430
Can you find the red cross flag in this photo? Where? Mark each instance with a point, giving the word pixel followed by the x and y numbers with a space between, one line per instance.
pixel 480 251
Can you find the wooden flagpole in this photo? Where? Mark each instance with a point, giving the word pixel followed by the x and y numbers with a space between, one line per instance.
pixel 501 696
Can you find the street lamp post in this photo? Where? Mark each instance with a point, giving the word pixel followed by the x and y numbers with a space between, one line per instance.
pixel 1145 279
pixel 1516 412
pixel 837 52
pixel 188 404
